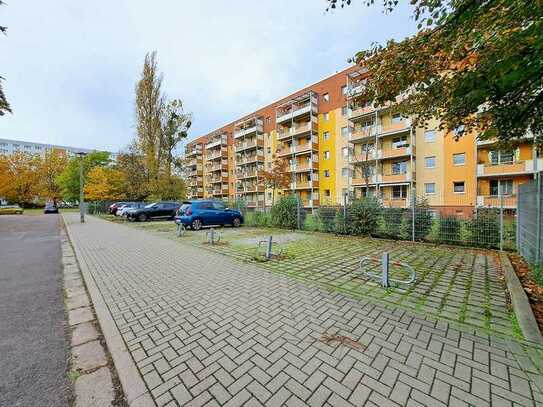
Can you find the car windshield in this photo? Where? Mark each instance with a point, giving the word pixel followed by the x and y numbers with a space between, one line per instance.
pixel 184 207
pixel 150 205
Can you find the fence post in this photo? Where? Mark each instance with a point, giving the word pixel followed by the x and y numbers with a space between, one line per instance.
pixel 413 210
pixel 385 263
pixel 501 221
pixel 298 214
pixel 345 213
pixel 517 231
pixel 538 238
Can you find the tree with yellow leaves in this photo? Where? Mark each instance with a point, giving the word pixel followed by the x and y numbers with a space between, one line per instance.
pixel 105 184
pixel 51 165
pixel 19 179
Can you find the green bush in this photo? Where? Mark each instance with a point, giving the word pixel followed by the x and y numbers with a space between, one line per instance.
pixel 259 219
pixel 392 222
pixel 423 221
pixel 363 216
pixel 311 223
pixel 284 213
pixel 326 218
pixel 484 229
pixel 449 230
pixel 340 224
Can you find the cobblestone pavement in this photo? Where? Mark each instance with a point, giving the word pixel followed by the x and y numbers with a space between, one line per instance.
pixel 205 329
pixel 461 285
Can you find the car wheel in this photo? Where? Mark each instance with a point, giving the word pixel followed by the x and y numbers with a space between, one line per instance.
pixel 142 217
pixel 236 222
pixel 196 224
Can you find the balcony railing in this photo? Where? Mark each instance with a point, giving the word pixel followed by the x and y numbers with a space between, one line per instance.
pixel 310 106
pixel 391 177
pixel 250 144
pixel 506 168
pixel 360 180
pixel 248 174
pixel 360 134
pixel 297 130
pixel 395 202
pixel 304 184
pixel 218 154
pixel 395 152
pixel 249 159
pixel 216 142
pixel 361 111
pixel 310 203
pixel 493 201
pixel 393 128
pixel 257 128
pixel 303 167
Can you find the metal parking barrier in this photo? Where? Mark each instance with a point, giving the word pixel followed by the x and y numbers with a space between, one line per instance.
pixel 180 230
pixel 384 277
pixel 268 253
pixel 212 236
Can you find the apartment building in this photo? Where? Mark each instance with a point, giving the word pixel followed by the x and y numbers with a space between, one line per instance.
pixel 9 147
pixel 339 146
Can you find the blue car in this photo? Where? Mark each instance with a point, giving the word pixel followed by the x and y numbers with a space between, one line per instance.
pixel 195 214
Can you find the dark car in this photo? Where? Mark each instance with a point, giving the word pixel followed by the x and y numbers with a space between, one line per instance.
pixel 50 208
pixel 114 206
pixel 157 210
pixel 195 214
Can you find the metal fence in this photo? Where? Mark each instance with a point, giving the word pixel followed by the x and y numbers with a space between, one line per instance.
pixel 530 214
pixel 477 227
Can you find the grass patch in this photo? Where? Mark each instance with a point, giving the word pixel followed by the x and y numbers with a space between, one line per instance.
pixel 536 272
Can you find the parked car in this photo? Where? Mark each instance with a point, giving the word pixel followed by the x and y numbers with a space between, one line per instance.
pixel 123 210
pixel 195 214
pixel 114 206
pixel 11 210
pixel 156 210
pixel 50 208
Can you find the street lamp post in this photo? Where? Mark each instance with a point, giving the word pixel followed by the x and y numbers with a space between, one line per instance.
pixel 81 155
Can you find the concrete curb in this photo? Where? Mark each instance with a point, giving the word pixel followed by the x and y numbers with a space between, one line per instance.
pixel 520 303
pixel 134 388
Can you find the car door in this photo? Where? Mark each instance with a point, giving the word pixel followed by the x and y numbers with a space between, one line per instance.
pixel 206 213
pixel 156 210
pixel 220 215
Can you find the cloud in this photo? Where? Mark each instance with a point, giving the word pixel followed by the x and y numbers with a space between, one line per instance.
pixel 71 66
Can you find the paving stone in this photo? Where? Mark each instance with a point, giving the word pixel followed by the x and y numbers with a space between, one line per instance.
pixel 88 356
pixel 94 389
pixel 84 332
pixel 80 315
pixel 77 301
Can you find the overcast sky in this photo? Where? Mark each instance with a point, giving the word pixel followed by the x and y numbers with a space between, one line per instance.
pixel 70 66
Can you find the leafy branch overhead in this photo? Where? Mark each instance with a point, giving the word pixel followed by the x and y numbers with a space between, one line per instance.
pixel 475 65
pixel 4 104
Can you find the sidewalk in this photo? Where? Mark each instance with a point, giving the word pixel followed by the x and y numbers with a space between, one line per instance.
pixel 203 329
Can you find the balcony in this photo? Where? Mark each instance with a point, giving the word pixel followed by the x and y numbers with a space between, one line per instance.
pixel 395 202
pixel 250 144
pixel 249 189
pixel 297 111
pixel 217 142
pixel 364 133
pixel 193 152
pixel 391 178
pixel 298 130
pixel 257 128
pixel 304 167
pixel 511 168
pixel 251 159
pixel 218 180
pixel 219 167
pixel 493 201
pixel 395 152
pixel 394 128
pixel 310 203
pixel 223 153
pixel 366 156
pixel 361 111
pixel 248 174
pixel 304 185
pixel 360 180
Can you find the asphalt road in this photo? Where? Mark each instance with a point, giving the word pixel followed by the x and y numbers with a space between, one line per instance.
pixel 33 329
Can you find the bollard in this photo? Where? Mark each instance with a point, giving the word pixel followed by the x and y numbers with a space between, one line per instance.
pixel 213 237
pixel 180 230
pixel 269 248
pixel 384 279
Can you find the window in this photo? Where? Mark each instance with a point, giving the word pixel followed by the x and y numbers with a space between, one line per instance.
pixel 327 155
pixel 367 123
pixel 344 111
pixel 345 131
pixel 396 118
pixel 430 162
pixel 498 187
pixel 344 90
pixel 269 150
pixel 345 172
pixel 399 142
pixel 326 97
pixel 269 195
pixel 327 193
pixel 28 147
pixel 458 187
pixel 326 116
pixel 219 206
pixel 399 191
pixel 497 157
pixel 399 167
pixel 345 152
pixel 326 173
pixel 268 119
pixel 459 158
pixel 430 188
pixel 459 131
pixel 430 136
pixel 326 135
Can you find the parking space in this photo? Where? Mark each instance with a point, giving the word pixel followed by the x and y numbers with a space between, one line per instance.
pixel 206 329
